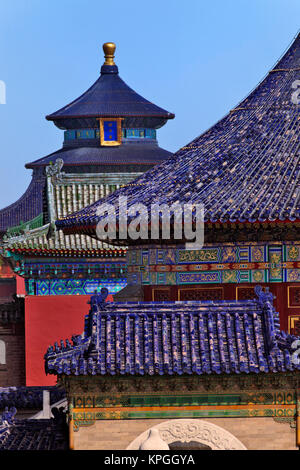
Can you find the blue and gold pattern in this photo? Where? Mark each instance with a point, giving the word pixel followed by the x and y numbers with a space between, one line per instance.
pixel 236 263
pixel 110 131
pixel 134 134
pixel 73 286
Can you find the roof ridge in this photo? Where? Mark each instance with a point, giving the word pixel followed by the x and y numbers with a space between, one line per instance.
pixel 201 340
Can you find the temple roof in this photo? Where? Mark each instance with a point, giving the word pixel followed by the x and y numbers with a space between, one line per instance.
pixel 126 154
pixel 33 434
pixel 29 206
pixel 109 96
pixel 71 191
pixel 167 338
pixel 245 168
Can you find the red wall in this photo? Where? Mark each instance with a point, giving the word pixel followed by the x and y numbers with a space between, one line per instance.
pixel 49 319
pixel 20 285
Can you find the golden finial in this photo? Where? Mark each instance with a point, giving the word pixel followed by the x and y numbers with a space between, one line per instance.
pixel 109 51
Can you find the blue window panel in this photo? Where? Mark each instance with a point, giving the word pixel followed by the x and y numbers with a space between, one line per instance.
pixel 130 133
pixel 70 135
pixel 110 131
pixel 139 133
pixel 87 134
pixel 150 134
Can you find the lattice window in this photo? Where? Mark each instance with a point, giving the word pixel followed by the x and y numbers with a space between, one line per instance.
pixel 294 296
pixel 245 293
pixel 297 328
pixel 294 325
pixel 202 294
pixel 161 295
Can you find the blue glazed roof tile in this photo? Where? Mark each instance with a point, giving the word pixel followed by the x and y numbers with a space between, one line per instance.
pixel 137 153
pixel 28 397
pixel 109 96
pixel 27 207
pixel 167 338
pixel 244 168
pixel 33 434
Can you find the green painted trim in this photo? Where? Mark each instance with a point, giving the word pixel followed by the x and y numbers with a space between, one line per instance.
pixel 82 418
pixel 195 399
pixel 30 225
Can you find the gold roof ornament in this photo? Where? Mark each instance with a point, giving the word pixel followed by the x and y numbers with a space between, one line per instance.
pixel 109 51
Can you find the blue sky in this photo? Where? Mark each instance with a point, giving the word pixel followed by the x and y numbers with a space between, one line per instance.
pixel 195 58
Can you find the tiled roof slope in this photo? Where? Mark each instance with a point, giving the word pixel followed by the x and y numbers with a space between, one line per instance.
pixel 33 434
pixel 244 168
pixel 27 207
pixel 109 96
pixel 42 239
pixel 70 193
pixel 126 154
pixel 167 338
